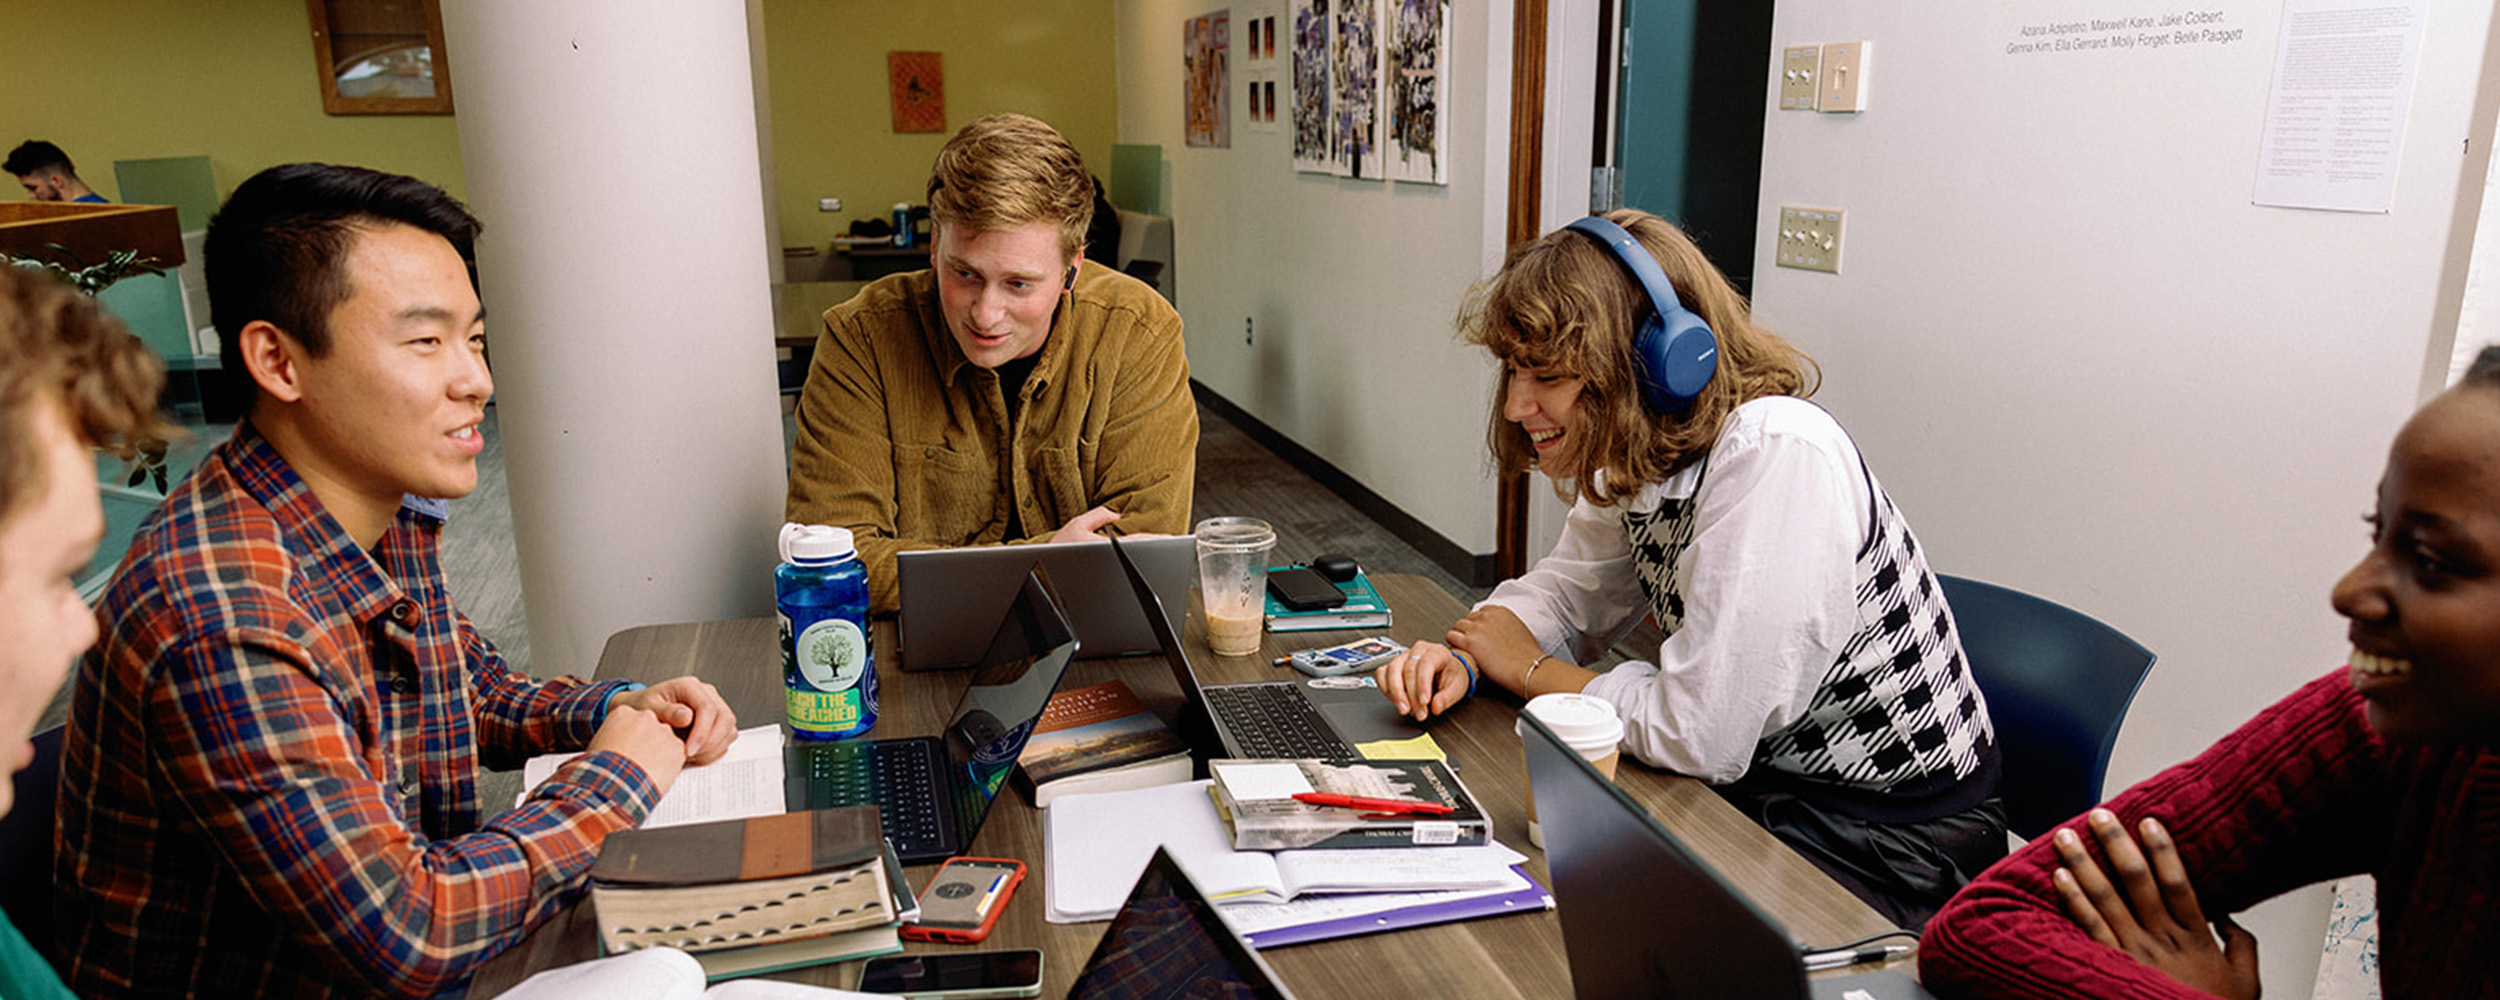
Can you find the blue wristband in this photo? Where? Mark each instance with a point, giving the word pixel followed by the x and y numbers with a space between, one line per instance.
pixel 1471 673
pixel 602 718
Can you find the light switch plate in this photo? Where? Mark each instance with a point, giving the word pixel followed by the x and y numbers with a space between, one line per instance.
pixel 1843 84
pixel 1809 238
pixel 828 204
pixel 1797 65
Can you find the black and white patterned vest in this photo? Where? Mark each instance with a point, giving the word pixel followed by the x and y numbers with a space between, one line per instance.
pixel 1898 707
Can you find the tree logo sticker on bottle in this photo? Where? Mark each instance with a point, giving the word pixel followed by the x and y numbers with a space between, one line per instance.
pixel 831 654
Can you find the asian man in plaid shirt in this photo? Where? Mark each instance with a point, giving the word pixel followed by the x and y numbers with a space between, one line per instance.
pixel 268 778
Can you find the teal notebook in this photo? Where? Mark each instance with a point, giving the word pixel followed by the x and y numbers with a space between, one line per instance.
pixel 1363 608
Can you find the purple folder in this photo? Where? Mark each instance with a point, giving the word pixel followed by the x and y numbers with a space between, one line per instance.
pixel 1529 899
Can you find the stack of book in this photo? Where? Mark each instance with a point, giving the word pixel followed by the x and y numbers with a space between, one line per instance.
pixel 1094 846
pixel 753 895
pixel 1363 608
pixel 1280 805
pixel 1098 739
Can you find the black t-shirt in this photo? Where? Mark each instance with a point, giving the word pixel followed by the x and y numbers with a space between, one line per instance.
pixel 1011 376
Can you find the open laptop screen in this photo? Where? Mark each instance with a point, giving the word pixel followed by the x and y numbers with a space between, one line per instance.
pixel 1168 942
pixel 1013 683
pixel 1642 917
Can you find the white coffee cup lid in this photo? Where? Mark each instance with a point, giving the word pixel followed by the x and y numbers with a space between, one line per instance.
pixel 1584 721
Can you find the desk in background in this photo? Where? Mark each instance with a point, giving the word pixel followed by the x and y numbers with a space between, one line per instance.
pixel 800 306
pixel 873 261
pixel 1519 956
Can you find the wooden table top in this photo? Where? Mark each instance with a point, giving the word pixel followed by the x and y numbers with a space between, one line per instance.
pixel 1509 956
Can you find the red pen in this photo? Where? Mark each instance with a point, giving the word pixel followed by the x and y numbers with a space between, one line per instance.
pixel 1404 807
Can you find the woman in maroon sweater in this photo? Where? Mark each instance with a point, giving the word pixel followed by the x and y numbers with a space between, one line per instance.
pixel 2384 767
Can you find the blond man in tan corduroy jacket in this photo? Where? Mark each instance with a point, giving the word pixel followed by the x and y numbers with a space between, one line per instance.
pixel 1011 393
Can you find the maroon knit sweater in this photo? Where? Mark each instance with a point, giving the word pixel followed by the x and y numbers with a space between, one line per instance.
pixel 2303 793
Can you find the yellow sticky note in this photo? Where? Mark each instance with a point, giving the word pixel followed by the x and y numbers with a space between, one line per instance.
pixel 1419 748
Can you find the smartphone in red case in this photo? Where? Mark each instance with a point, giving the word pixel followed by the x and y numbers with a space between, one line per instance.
pixel 965 897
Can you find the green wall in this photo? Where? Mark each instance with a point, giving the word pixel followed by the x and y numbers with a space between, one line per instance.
pixel 234 80
pixel 832 128
pixel 231 79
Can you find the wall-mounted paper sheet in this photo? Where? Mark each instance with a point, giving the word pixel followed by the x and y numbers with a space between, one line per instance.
pixel 2343 90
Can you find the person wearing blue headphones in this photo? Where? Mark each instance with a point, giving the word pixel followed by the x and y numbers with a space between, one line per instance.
pixel 1811 671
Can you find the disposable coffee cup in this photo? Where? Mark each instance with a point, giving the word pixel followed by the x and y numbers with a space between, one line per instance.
pixel 1232 581
pixel 1585 723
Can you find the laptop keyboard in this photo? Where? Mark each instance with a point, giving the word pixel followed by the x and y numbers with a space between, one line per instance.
pixel 900 779
pixel 1275 720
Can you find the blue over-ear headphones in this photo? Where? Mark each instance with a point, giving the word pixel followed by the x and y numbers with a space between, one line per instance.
pixel 1674 347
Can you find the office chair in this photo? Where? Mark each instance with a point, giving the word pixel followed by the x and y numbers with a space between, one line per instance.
pixel 26 838
pixel 2058 683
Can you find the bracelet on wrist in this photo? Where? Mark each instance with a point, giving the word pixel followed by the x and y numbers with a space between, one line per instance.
pixel 1471 673
pixel 1532 665
pixel 610 701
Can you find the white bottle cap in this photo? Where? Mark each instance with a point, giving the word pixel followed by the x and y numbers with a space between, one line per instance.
pixel 902 206
pixel 814 543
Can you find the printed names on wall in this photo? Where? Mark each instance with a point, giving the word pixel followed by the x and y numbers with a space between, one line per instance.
pixel 2153 31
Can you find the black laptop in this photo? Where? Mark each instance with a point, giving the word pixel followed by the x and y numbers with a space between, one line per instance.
pixel 1643 917
pixel 1322 717
pixel 935 791
pixel 1169 943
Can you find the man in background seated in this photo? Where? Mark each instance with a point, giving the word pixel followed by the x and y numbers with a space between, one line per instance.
pixel 1014 392
pixel 268 781
pixel 70 378
pixel 46 173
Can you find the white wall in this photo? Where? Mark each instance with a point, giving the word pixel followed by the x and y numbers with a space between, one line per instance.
pixel 2089 368
pixel 1351 285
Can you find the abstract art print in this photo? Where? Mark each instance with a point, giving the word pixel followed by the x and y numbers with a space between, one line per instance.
pixel 1354 114
pixel 1419 88
pixel 916 84
pixel 1208 90
pixel 1309 26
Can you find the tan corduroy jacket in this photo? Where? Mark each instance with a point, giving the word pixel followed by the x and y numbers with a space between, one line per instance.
pixel 904 441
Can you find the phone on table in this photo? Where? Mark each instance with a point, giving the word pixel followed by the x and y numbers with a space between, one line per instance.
pixel 1303 589
pixel 971 975
pixel 1349 658
pixel 963 900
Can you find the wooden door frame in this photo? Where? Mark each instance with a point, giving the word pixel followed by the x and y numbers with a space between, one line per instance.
pixel 1525 222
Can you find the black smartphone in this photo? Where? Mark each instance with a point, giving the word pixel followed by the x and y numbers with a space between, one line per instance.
pixel 970 975
pixel 1303 589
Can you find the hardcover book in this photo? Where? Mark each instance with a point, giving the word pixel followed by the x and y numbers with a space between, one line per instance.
pixel 1363 608
pixel 1098 739
pixel 1255 800
pixel 731 884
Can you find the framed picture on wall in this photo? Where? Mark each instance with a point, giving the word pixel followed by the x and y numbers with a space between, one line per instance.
pixel 1418 91
pixel 380 57
pixel 1207 75
pixel 916 85
pixel 1310 25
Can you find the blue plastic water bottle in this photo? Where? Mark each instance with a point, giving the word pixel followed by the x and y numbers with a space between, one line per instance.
pixel 827 668
pixel 903 234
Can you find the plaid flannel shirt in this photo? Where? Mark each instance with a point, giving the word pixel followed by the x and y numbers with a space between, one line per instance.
pixel 268 783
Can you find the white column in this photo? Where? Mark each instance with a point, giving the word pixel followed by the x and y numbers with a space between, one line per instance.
pixel 610 149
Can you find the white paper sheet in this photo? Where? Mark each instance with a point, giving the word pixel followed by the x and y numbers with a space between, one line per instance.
pixel 1254 918
pixel 2343 92
pixel 1263 781
pixel 745 782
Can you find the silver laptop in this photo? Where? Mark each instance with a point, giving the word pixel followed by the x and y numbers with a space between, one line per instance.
pixel 1324 717
pixel 1643 917
pixel 952 598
